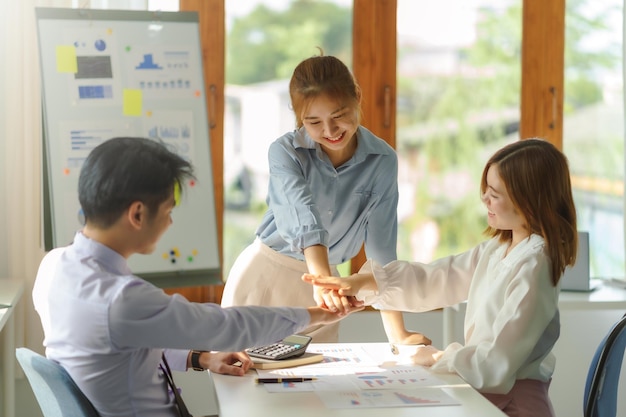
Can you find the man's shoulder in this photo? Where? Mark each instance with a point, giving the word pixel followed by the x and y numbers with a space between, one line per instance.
pixel 50 260
pixel 55 253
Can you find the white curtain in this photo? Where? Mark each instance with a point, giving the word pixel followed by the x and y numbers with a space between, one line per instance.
pixel 20 168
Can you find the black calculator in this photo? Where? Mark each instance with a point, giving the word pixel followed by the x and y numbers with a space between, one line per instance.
pixel 290 347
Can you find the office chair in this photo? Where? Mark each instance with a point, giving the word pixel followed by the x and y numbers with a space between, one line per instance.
pixel 604 371
pixel 55 390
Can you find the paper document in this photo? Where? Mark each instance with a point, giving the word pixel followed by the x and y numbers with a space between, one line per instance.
pixel 353 377
pixel 393 398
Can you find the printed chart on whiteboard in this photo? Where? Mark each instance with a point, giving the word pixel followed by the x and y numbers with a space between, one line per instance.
pixel 127 73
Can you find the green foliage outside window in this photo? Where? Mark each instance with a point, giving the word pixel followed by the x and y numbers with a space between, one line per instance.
pixel 448 125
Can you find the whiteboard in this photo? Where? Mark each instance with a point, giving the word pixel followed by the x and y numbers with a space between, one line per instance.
pixel 128 73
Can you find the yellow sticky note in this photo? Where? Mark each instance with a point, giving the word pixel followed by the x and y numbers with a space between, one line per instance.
pixel 66 59
pixel 177 194
pixel 132 102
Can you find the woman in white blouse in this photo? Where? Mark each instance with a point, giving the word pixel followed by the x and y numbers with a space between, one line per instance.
pixel 510 282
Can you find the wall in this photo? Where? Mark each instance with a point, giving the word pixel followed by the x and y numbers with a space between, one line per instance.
pixel 581 332
pixel 366 326
pixel 20 157
pixel 4 271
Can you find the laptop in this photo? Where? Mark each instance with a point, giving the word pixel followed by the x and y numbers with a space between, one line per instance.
pixel 577 277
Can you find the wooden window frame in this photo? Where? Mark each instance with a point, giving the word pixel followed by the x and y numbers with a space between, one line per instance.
pixel 212 19
pixel 541 101
pixel 374 65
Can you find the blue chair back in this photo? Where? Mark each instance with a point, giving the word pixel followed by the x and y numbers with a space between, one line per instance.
pixel 55 390
pixel 604 371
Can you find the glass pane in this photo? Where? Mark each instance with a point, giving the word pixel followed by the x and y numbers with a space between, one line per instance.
pixel 458 95
pixel 162 5
pixel 265 41
pixel 593 127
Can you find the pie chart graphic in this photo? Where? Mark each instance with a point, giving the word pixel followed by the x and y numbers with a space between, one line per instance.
pixel 100 45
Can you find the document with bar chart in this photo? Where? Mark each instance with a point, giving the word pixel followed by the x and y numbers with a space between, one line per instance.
pixel 386 398
pixel 354 376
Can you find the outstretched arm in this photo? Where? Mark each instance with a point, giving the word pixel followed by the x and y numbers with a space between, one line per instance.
pixel 393 322
pixel 317 263
pixel 342 291
pixel 347 286
pixel 238 363
pixel 320 315
pixel 316 258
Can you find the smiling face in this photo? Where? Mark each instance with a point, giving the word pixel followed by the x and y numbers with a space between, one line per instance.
pixel 502 214
pixel 333 125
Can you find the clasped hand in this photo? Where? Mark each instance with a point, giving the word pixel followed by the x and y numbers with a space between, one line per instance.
pixel 340 295
pixel 334 293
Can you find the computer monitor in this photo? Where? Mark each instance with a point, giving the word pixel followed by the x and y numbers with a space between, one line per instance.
pixel 577 277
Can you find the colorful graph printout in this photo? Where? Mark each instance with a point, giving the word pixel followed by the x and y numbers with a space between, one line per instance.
pixel 386 398
pixel 352 376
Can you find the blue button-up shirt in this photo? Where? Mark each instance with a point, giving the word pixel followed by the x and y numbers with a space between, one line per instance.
pixel 310 202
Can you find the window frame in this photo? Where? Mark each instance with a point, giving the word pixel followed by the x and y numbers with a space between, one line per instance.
pixel 374 65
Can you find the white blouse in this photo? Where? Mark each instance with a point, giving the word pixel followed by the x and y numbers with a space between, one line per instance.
pixel 512 317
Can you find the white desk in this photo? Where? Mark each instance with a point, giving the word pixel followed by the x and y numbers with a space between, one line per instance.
pixel 10 294
pixel 604 297
pixel 240 396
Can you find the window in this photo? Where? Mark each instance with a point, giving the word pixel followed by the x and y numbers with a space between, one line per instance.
pixel 265 41
pixel 593 128
pixel 458 100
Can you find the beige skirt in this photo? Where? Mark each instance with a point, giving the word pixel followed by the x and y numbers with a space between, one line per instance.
pixel 264 277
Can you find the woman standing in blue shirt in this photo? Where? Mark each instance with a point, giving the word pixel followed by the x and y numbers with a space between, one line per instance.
pixel 333 186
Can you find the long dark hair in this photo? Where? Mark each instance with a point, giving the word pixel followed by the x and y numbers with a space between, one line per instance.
pixel 537 179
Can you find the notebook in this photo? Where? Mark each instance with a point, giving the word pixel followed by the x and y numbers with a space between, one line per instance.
pixel 306 359
pixel 577 277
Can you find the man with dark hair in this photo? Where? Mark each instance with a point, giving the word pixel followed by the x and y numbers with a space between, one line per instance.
pixel 113 331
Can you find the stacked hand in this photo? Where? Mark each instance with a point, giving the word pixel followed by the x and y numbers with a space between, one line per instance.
pixel 333 301
pixel 337 294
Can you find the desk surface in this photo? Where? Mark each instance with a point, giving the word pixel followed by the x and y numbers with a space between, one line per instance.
pixel 10 293
pixel 241 396
pixel 5 314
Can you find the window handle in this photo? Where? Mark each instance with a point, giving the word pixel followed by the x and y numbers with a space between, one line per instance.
pixel 387 107
pixel 552 124
pixel 212 105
